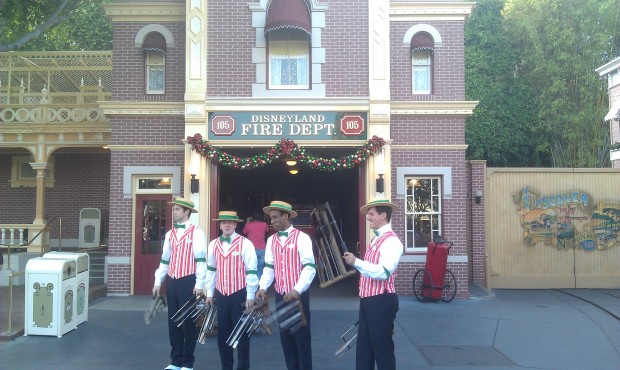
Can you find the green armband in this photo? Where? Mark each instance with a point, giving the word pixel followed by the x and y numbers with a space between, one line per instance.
pixel 387 273
pixel 211 268
pixel 311 265
pixel 165 262
pixel 269 265
pixel 250 272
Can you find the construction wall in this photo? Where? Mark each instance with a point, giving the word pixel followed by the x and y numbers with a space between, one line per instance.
pixel 553 228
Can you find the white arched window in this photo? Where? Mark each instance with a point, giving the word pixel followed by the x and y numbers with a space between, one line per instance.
pixel 422 45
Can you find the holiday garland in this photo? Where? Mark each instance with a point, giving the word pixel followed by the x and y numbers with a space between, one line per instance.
pixel 286 148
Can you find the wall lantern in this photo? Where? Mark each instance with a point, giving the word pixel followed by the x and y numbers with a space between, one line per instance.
pixel 478 196
pixel 194 183
pixel 380 184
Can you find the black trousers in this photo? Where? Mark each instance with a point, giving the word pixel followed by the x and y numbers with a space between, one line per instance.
pixel 297 347
pixel 229 310
pixel 182 339
pixel 375 332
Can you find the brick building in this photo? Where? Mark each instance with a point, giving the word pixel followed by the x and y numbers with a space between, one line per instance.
pixel 328 76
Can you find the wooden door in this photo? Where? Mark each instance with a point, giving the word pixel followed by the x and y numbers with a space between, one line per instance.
pixel 153 219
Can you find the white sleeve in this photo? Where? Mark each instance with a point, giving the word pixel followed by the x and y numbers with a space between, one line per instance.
pixel 162 270
pixel 268 273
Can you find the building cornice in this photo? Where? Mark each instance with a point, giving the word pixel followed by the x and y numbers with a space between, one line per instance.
pixel 426 108
pixel 145 12
pixel 609 67
pixel 431 11
pixel 428 147
pixel 137 148
pixel 118 108
pixel 283 104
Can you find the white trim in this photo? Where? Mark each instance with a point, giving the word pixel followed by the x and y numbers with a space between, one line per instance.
pixel 117 260
pixel 144 31
pixel 614 111
pixel 130 171
pixel 446 172
pixel 422 28
pixel 421 258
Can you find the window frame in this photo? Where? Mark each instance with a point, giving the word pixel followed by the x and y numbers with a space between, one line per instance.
pixel 429 72
pixel 306 40
pixel 19 180
pixel 435 215
pixel 148 67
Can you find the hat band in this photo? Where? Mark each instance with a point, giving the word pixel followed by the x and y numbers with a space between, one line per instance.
pixel 378 201
pixel 185 204
pixel 227 217
pixel 280 205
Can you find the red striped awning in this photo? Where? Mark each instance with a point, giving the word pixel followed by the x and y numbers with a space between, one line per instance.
pixel 293 14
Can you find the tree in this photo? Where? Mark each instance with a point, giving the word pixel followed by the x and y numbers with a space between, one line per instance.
pixel 502 129
pixel 562 42
pixel 54 25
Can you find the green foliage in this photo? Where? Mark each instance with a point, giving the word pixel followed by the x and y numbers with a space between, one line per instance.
pixel 502 129
pixel 562 43
pixel 82 25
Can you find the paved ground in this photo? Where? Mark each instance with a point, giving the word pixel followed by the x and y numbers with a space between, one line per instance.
pixel 504 329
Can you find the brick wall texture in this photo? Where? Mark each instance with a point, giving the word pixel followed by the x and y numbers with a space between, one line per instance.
pixel 82 181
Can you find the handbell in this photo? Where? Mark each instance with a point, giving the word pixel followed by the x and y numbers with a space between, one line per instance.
pixel 348 342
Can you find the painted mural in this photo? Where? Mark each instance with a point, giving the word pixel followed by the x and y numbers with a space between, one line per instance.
pixel 568 220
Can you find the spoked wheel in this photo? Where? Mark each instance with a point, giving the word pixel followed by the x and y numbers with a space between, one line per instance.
pixel 422 285
pixel 449 287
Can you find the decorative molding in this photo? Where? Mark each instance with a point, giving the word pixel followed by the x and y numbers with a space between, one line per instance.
pixel 286 104
pixel 144 31
pixel 431 11
pixel 425 108
pixel 142 108
pixel 445 172
pixel 429 147
pixel 422 28
pixel 145 12
pixel 172 171
pixel 131 148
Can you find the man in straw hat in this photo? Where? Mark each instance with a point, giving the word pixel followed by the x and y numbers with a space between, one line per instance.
pixel 290 261
pixel 378 300
pixel 184 266
pixel 232 281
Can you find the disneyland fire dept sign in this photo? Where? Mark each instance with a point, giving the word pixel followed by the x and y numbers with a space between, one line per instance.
pixel 292 125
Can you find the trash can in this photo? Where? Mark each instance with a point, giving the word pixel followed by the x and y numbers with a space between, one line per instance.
pixel 80 298
pixel 50 287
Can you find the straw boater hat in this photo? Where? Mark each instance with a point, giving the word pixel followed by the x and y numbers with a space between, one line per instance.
pixel 378 202
pixel 227 216
pixel 281 206
pixel 184 203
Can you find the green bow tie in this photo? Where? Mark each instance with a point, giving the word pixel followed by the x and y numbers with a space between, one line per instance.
pixel 283 233
pixel 179 226
pixel 376 232
pixel 225 239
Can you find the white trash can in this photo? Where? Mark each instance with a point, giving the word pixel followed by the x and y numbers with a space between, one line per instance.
pixel 50 287
pixel 80 298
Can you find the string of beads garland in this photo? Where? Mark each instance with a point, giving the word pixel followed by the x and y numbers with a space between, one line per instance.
pixel 286 148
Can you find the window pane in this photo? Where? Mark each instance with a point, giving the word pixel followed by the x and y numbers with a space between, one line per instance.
pixel 421 57
pixel 288 60
pixel 422 211
pixel 421 78
pixel 164 183
pixel 156 78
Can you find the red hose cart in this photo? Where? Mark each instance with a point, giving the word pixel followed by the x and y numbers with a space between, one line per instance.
pixel 434 281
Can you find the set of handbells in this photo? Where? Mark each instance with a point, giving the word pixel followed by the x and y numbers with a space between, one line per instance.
pixel 289 315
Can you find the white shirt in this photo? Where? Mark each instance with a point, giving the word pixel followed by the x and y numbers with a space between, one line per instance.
pixel 248 254
pixel 306 255
pixel 200 251
pixel 391 251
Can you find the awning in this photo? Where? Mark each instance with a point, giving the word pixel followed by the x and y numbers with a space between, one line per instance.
pixel 293 14
pixel 422 41
pixel 614 112
pixel 154 42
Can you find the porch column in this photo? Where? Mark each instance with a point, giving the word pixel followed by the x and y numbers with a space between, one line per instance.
pixel 40 167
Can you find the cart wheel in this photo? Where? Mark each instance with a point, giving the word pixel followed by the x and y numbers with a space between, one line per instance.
pixel 422 285
pixel 449 287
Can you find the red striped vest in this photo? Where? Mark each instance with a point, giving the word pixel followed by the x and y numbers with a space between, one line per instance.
pixel 230 267
pixel 286 262
pixel 182 259
pixel 370 287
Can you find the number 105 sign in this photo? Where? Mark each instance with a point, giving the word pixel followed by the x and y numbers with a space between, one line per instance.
pixel 293 125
